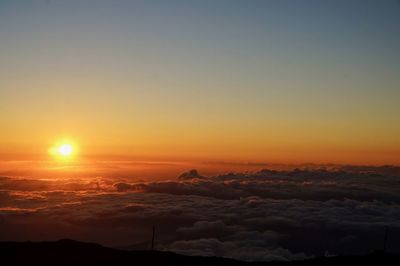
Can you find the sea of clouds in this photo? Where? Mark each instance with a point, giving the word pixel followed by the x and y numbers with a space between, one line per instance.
pixel 264 215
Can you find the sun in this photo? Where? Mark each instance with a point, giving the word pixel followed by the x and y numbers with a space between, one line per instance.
pixel 65 150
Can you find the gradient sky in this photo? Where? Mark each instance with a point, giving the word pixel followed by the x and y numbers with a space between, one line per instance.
pixel 265 81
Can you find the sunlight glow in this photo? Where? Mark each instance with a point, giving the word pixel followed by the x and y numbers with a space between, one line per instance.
pixel 65 149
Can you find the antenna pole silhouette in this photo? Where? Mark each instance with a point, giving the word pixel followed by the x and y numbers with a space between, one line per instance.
pixel 153 237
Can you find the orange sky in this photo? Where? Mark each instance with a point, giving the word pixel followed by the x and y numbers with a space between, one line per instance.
pixel 159 84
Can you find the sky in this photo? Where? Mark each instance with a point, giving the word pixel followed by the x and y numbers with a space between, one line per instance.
pixel 247 129
pixel 201 81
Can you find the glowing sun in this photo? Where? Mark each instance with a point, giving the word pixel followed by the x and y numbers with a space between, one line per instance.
pixel 65 149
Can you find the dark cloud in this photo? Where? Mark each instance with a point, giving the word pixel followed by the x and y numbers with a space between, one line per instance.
pixel 192 174
pixel 321 185
pixel 206 229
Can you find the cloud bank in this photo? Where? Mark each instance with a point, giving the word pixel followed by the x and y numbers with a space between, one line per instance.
pixel 266 215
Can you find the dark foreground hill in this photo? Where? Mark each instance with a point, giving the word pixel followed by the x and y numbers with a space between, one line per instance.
pixel 69 252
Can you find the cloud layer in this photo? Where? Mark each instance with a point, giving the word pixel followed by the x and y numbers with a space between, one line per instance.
pixel 267 215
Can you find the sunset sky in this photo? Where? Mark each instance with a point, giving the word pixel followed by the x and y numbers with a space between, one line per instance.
pixel 201 81
pixel 256 130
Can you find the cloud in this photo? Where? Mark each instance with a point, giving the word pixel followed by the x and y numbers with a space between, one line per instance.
pixel 192 174
pixel 317 184
pixel 241 250
pixel 205 229
pixel 267 215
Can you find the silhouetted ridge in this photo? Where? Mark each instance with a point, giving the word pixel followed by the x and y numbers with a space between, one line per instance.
pixel 70 252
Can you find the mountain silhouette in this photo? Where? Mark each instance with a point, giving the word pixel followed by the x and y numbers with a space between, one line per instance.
pixel 70 252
